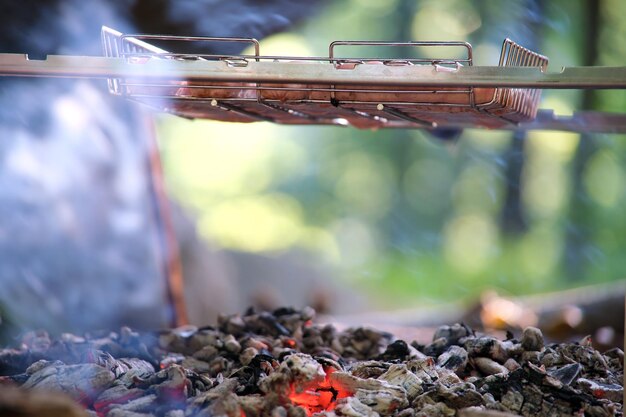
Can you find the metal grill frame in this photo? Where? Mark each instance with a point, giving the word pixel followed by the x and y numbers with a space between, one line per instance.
pixel 522 102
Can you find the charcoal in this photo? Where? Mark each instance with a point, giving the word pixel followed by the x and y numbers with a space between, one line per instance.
pixel 196 365
pixel 488 347
pixel 117 394
pixel 511 365
pixel 228 385
pixel 296 412
pixel 436 348
pixel 414 353
pixel 138 405
pixel 232 324
pixel 282 364
pixel 13 361
pixel 172 359
pixel 427 407
pixel 17 379
pixel 353 407
pixel 205 338
pixel 37 341
pixel 255 343
pixel 453 334
pixel 568 373
pixel 551 358
pixel 532 339
pixel 381 396
pixel 455 359
pixel 118 412
pixel 329 364
pixel 16 402
pixel 457 396
pixel 397 350
pixel 136 345
pixel 178 340
pixel 513 400
pixel 407 412
pixel 613 392
pixel 424 369
pixel 279 411
pixel 231 344
pixel 368 369
pixel 176 386
pixel 531 356
pixel 122 366
pixel 303 371
pixel 615 353
pixel 270 324
pixel 400 375
pixel 488 366
pixel 480 412
pixel 39 365
pixel 220 365
pixel 247 355
pixel 82 382
pixel 311 338
pixel 363 343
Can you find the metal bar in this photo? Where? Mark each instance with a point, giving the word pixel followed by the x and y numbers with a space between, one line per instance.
pixel 140 37
pixel 317 73
pixel 236 109
pixel 266 87
pixel 399 114
pixel 466 45
pixel 381 120
pixel 581 122
pixel 221 57
pixel 289 111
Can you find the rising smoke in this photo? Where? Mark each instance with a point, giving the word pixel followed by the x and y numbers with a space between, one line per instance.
pixel 79 235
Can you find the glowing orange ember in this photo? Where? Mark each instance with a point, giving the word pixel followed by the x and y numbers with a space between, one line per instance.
pixel 320 397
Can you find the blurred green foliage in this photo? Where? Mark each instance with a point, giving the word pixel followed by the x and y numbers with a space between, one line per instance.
pixel 400 214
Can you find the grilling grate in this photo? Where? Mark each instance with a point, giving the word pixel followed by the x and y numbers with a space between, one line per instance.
pixel 373 93
pixel 374 105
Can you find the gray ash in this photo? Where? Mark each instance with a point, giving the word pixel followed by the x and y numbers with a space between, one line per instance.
pixel 282 364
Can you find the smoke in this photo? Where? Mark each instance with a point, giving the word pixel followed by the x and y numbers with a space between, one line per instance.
pixel 237 18
pixel 79 235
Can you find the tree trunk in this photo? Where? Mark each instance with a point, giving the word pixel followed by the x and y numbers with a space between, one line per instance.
pixel 579 234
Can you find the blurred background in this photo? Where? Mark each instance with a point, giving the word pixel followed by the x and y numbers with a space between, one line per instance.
pixel 406 218
pixel 472 225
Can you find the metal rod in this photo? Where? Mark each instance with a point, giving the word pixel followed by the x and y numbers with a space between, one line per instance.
pixel 289 111
pixel 397 113
pixel 236 109
pixel 466 45
pixel 318 73
pixel 252 41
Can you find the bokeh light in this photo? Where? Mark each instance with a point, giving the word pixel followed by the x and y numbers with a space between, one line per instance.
pixel 406 216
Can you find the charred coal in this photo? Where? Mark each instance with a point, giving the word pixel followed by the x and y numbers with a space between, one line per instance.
pixel 282 364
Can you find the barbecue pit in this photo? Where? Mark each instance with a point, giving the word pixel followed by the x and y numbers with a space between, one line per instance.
pixel 365 93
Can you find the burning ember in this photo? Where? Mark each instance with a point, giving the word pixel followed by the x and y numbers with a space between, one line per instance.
pixel 322 397
pixel 280 364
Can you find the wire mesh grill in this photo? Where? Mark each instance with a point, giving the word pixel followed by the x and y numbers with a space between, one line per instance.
pixel 367 105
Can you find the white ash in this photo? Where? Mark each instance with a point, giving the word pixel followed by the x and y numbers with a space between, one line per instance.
pixel 281 364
